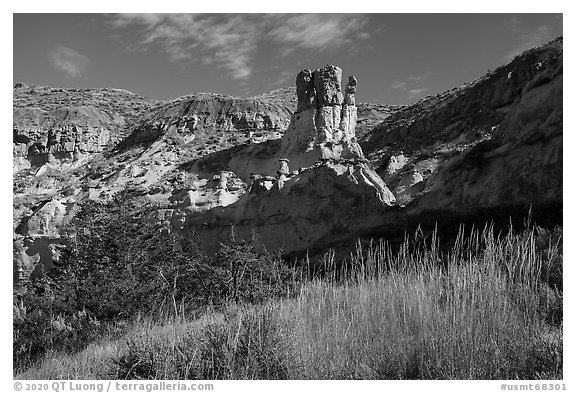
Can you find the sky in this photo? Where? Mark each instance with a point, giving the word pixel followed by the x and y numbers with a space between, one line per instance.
pixel 397 58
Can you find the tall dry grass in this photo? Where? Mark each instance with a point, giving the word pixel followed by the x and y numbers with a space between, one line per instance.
pixel 489 308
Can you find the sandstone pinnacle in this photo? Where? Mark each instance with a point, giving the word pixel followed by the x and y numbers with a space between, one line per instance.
pixel 324 123
pixel 327 82
pixel 305 90
pixel 350 97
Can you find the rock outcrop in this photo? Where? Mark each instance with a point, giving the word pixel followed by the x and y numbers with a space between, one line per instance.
pixel 486 150
pixel 37 238
pixel 521 164
pixel 63 135
pixel 322 183
pixel 60 133
pixel 305 90
pixel 324 125
pixel 214 114
pixel 56 126
pixel 57 135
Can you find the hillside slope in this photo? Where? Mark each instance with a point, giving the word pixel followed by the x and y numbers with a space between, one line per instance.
pixel 494 142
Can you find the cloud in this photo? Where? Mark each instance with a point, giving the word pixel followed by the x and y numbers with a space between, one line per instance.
pixel 364 35
pixel 231 42
pixel 412 93
pixel 225 40
pixel 528 38
pixel 399 85
pixel 322 32
pixel 417 78
pixel 410 86
pixel 283 78
pixel 72 62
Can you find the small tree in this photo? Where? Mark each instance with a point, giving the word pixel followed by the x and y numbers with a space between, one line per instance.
pixel 253 276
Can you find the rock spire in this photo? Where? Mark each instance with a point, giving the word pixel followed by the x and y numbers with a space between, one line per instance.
pixel 323 126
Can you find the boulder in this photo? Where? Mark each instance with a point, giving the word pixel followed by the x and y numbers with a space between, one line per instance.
pixel 47 220
pixel 284 169
pixel 396 163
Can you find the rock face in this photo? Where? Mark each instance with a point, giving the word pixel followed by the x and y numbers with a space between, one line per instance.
pixel 521 165
pixel 328 85
pixel 317 207
pixel 61 135
pixel 203 113
pixel 350 97
pixel 57 126
pixel 37 238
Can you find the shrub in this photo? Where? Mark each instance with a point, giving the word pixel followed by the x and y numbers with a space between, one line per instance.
pixel 250 276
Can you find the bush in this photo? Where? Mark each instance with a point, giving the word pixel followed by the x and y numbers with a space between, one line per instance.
pixel 253 277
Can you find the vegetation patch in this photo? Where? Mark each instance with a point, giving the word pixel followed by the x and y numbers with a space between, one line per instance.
pixel 489 308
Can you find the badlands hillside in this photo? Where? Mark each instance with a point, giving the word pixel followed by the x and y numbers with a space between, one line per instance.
pixel 298 169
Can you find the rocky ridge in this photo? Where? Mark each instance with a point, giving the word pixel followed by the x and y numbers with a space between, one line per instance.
pixel 496 141
pixel 60 125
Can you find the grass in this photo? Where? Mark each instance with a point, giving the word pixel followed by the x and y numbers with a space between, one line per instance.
pixel 490 308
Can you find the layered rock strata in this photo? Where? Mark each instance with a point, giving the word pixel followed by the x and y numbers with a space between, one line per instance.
pixel 60 136
pixel 212 114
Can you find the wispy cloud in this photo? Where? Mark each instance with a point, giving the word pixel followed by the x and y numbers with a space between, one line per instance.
pixel 231 42
pixel 412 93
pixel 283 78
pixel 411 86
pixel 399 85
pixel 322 32
pixel 227 41
pixel 528 38
pixel 70 61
